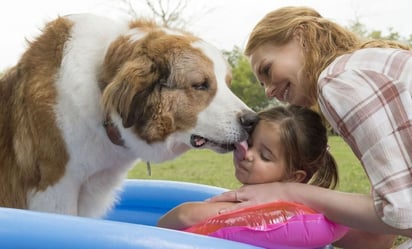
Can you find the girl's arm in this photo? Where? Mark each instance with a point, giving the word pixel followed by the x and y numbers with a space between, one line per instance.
pixel 191 213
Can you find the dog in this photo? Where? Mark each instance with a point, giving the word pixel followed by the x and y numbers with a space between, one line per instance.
pixel 91 96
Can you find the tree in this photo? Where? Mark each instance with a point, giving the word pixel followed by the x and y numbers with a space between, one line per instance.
pixel 244 82
pixel 360 29
pixel 170 13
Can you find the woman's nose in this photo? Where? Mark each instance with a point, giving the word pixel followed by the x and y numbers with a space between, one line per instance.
pixel 269 92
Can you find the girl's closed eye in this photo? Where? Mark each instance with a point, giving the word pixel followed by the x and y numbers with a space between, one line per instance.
pixel 265 156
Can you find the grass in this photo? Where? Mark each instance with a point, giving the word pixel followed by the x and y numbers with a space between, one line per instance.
pixel 207 167
pixel 198 166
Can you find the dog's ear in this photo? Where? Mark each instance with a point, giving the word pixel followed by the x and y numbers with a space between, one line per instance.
pixel 132 85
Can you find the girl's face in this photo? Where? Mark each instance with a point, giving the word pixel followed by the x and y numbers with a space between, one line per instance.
pixel 280 71
pixel 264 161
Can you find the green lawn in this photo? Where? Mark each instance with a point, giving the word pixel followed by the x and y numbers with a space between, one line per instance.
pixel 207 167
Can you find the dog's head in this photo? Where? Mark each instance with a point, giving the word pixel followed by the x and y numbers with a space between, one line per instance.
pixel 171 89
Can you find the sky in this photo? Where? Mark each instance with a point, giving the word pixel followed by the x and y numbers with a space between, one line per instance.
pixel 224 23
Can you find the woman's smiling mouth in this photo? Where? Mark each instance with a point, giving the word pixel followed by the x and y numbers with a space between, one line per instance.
pixel 286 93
pixel 283 95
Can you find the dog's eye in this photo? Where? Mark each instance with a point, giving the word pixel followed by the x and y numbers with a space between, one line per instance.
pixel 201 86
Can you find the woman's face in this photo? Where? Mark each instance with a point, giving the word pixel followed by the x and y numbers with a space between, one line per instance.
pixel 279 69
pixel 264 159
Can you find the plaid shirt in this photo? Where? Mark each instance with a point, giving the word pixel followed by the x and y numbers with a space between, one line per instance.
pixel 366 97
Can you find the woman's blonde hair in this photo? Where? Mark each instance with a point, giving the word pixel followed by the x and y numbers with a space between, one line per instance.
pixel 322 40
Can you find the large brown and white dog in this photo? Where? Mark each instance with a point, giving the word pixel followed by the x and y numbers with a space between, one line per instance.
pixel 91 95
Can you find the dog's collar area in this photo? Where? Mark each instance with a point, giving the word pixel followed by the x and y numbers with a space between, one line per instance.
pixel 112 132
pixel 149 168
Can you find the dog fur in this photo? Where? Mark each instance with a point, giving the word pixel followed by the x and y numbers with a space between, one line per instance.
pixel 90 96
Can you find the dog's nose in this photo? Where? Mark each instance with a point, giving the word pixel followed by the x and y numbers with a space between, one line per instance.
pixel 248 120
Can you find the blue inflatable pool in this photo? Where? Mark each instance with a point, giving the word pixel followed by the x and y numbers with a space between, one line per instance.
pixel 129 225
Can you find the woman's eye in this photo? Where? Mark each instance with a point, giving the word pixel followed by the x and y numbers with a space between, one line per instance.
pixel 201 86
pixel 266 70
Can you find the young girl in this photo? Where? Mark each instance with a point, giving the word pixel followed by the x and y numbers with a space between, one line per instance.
pixel 364 90
pixel 288 144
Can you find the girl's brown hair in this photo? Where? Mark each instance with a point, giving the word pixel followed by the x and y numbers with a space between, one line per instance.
pixel 305 143
pixel 322 40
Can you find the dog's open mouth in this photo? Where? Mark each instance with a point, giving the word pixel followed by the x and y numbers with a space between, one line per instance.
pixel 199 142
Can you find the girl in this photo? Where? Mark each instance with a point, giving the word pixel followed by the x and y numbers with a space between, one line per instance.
pixel 288 144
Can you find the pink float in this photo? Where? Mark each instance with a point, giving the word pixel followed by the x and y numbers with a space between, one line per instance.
pixel 274 225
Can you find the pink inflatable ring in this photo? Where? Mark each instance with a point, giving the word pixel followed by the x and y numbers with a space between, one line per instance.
pixel 279 224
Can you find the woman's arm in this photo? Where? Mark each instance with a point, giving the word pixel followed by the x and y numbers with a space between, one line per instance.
pixel 191 213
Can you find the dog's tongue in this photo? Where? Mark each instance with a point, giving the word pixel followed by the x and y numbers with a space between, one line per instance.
pixel 240 150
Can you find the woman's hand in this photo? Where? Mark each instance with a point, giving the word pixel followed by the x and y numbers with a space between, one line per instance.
pixel 249 195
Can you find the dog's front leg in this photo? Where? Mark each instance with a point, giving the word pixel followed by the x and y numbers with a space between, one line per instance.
pixel 59 198
pixel 98 193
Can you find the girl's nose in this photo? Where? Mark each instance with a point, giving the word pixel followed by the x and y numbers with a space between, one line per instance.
pixel 249 156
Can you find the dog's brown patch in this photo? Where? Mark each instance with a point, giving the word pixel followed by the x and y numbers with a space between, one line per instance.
pixel 33 154
pixel 158 83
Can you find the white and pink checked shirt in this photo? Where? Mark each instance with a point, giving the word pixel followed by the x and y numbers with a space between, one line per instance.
pixel 366 97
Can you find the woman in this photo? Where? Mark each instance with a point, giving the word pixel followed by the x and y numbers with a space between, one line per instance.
pixel 363 89
pixel 288 144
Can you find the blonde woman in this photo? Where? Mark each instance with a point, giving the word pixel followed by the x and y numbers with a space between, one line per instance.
pixel 363 89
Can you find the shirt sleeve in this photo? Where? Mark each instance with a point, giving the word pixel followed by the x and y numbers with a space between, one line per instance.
pixel 373 114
